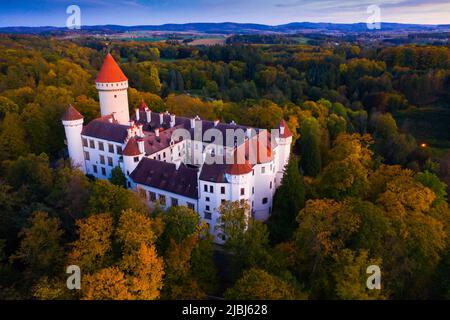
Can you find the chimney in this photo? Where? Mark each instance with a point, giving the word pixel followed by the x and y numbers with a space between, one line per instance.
pixel 216 122
pixel 137 114
pixel 172 120
pixel 140 143
pixel 140 130
pixel 157 132
pixel 148 114
pixel 161 118
pixel 249 133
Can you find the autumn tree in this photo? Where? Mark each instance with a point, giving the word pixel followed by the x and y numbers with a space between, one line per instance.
pixel 311 160
pixel 257 284
pixel 41 247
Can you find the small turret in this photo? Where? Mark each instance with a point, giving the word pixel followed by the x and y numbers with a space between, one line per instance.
pixel 72 121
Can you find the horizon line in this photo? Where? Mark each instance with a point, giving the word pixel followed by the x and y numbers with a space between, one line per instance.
pixel 223 22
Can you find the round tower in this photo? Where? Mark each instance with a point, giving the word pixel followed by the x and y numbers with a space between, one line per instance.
pixel 284 149
pixel 72 121
pixel 112 86
pixel 132 154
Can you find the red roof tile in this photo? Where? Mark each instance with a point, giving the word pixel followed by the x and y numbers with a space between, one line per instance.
pixel 71 114
pixel 110 71
pixel 287 132
pixel 132 148
pixel 238 168
pixel 142 105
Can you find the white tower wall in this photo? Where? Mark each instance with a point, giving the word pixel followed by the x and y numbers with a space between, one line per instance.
pixel 113 98
pixel 74 143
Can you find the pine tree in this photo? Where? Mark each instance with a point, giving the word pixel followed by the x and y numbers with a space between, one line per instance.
pixel 288 201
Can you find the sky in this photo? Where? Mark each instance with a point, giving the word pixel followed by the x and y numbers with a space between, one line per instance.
pixel 272 12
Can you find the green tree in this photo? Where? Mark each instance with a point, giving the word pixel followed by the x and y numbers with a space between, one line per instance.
pixel 288 201
pixel 40 248
pixel 117 177
pixel 311 160
pixel 257 284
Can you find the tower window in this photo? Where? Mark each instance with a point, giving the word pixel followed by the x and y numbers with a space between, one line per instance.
pixel 103 171
pixel 85 142
pixel 207 215
pixel 242 191
pixel 92 144
pixel 115 96
pixel 101 146
pixel 264 201
pixel 136 159
pixel 110 148
pixel 110 161
pixel 211 189
pixel 102 159
pixel 87 156
pixel 119 150
pixel 95 168
pixel 222 190
pixel 205 188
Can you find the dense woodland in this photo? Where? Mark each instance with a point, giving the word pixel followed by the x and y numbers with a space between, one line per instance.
pixel 366 184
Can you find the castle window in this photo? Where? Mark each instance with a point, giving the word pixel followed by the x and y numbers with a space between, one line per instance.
pixel 162 199
pixel 101 146
pixel 222 190
pixel 265 200
pixel 174 202
pixel 85 142
pixel 207 199
pixel 92 144
pixel 207 208
pixel 119 150
pixel 136 159
pixel 102 159
pixel 253 172
pixel 94 167
pixel 103 171
pixel 87 156
pixel 270 184
pixel 211 189
pixel 207 215
pixel 222 201
pixel 110 161
pixel 110 148
pixel 152 196
pixel 263 169
pixel 205 188
pixel 142 193
pixel 191 206
pixel 242 191
pixel 115 96
pixel 253 190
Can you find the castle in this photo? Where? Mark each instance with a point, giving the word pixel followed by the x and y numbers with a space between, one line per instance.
pixel 175 169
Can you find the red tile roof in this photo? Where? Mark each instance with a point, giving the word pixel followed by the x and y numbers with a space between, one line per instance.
pixel 238 168
pixel 110 71
pixel 142 105
pixel 287 132
pixel 71 114
pixel 132 148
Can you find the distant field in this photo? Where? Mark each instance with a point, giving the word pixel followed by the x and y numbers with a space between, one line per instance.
pixel 207 42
